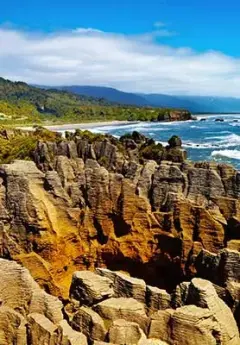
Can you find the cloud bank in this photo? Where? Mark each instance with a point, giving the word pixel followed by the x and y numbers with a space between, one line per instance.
pixel 87 56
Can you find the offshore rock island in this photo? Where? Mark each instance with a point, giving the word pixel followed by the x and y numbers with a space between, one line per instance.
pixel 132 243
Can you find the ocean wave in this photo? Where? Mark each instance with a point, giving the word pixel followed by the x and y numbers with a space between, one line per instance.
pixel 226 141
pixel 233 154
pixel 235 124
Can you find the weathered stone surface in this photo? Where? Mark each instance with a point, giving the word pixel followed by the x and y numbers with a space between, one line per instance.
pixel 89 323
pixel 180 295
pixel 124 332
pixel 12 327
pixel 127 309
pixel 90 288
pixel 202 293
pixel 125 286
pixel 96 203
pixel 41 330
pixel 69 336
pixel 157 299
pixel 193 325
pixel 160 327
pixel 28 315
pixel 19 291
pixel 220 268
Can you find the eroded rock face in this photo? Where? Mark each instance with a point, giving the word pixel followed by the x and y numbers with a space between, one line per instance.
pixel 28 315
pixel 202 318
pixel 88 205
pixel 90 288
pixel 31 319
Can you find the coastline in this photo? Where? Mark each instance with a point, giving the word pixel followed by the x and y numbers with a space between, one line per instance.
pixel 83 125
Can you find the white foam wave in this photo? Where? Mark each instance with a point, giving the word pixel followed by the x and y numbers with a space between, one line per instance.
pixel 235 124
pixel 227 141
pixel 233 154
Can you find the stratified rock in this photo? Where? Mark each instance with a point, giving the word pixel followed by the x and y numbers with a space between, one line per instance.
pixel 12 327
pixel 202 294
pixel 180 295
pixel 124 332
pixel 157 299
pixel 19 291
pixel 160 325
pixel 126 286
pixel 127 309
pixel 90 288
pixel 69 336
pixel 28 315
pixel 41 331
pixel 220 268
pixel 89 323
pixel 193 325
pixel 94 202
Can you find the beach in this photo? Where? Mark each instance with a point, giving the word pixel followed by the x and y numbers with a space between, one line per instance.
pixel 84 125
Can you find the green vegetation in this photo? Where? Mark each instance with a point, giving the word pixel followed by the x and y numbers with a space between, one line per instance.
pixel 15 144
pixel 175 141
pixel 24 104
pixel 152 151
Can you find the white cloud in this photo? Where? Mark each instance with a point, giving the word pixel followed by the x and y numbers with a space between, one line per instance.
pixel 130 63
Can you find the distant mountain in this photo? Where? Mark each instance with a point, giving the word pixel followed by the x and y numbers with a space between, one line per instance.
pixel 161 100
pixel 214 104
pixel 195 104
pixel 20 99
pixel 22 102
pixel 111 94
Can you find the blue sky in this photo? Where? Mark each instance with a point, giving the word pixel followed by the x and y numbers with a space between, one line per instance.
pixel 194 46
pixel 205 24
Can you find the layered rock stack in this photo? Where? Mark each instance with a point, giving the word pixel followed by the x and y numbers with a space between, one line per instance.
pixel 94 203
pixel 107 307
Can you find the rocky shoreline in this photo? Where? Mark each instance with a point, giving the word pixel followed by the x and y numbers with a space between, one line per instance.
pixel 92 203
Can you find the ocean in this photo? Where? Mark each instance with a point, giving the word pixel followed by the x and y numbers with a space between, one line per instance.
pixel 204 140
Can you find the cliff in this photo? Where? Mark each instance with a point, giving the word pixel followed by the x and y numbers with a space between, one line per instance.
pixel 92 201
pixel 108 307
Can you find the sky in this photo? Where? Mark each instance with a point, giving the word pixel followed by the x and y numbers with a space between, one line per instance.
pixel 155 46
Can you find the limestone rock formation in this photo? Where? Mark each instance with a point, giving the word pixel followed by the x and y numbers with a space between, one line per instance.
pixel 123 332
pixel 125 286
pixel 28 315
pixel 89 323
pixel 90 288
pixel 130 205
pixel 94 202
pixel 123 308
pixel 35 318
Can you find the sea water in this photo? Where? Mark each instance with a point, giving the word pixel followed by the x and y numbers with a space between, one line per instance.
pixel 204 140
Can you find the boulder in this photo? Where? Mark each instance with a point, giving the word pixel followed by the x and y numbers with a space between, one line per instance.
pixel 89 323
pixel 124 332
pixel 126 286
pixel 202 294
pixel 175 141
pixel 157 299
pixel 69 336
pixel 12 327
pixel 90 288
pixel 19 291
pixel 42 331
pixel 127 309
pixel 160 325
